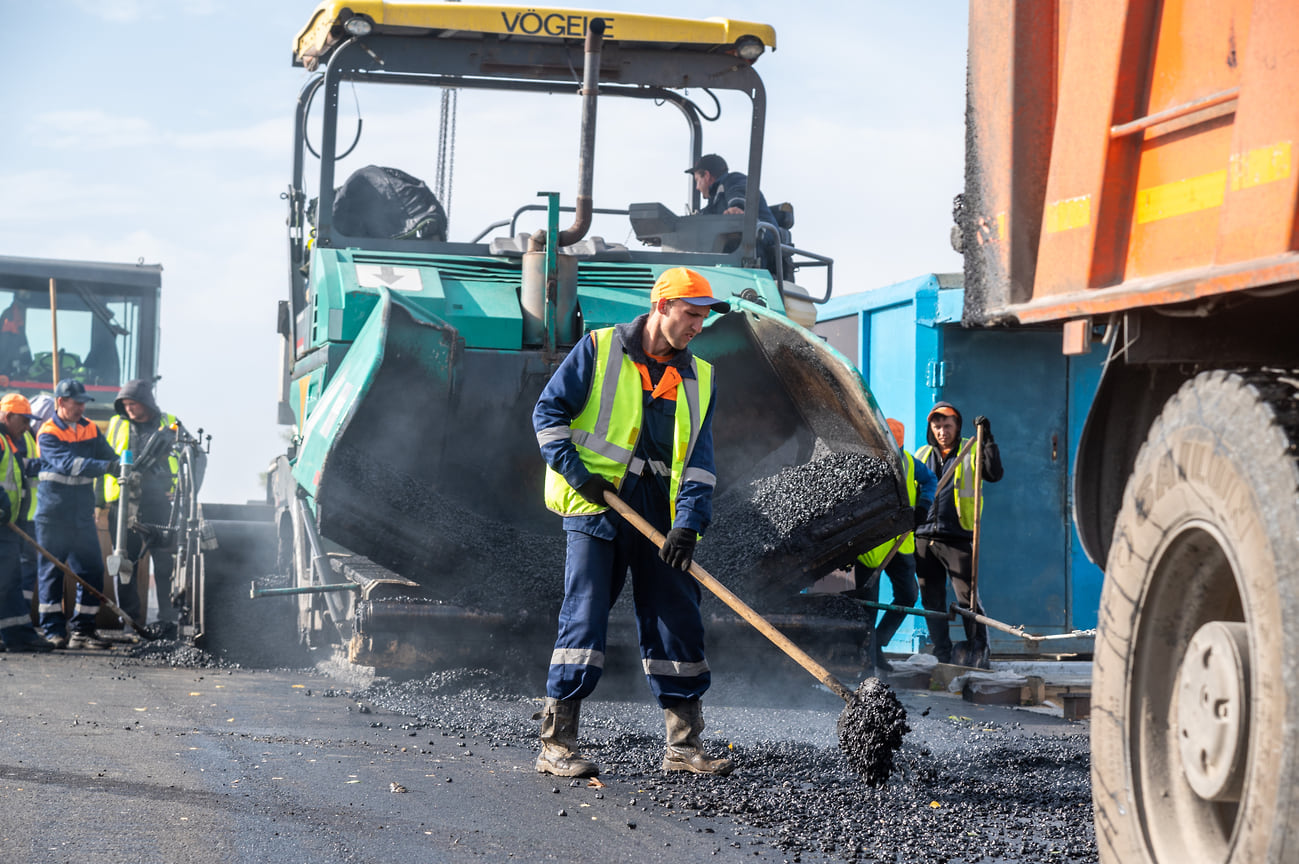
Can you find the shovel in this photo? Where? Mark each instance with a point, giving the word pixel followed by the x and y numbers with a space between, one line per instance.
pixel 117 610
pixel 869 749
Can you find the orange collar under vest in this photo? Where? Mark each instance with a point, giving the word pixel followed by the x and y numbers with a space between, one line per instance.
pixel 84 430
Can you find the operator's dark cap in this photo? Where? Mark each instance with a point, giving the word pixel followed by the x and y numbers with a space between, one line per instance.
pixel 71 388
pixel 712 163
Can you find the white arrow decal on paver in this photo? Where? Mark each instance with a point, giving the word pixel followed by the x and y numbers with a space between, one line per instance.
pixel 387 276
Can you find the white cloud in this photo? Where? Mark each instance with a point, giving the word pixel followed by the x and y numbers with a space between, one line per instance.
pixel 268 138
pixel 135 10
pixel 90 129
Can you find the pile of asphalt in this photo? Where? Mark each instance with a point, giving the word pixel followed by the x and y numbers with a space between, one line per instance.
pixel 762 531
pixel 169 653
pixel 960 791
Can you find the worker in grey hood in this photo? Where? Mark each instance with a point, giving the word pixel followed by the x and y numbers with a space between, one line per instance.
pixel 136 422
pixel 944 539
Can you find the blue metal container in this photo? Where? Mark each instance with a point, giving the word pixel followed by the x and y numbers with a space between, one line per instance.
pixel 909 344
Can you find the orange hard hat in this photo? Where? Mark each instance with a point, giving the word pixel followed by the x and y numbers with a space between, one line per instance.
pixel 680 283
pixel 16 403
pixel 899 431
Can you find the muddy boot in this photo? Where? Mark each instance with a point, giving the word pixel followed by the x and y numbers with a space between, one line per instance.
pixel 559 740
pixel 685 752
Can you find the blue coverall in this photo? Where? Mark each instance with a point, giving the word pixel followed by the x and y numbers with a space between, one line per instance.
pixel 603 547
pixel 72 456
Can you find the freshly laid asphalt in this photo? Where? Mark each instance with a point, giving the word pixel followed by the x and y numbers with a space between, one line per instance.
pixel 108 757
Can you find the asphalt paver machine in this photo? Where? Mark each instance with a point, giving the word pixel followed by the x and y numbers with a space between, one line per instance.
pixel 406 522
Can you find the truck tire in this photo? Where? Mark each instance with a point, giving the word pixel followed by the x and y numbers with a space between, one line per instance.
pixel 1194 738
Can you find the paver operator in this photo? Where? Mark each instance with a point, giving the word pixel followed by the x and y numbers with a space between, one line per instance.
pixel 17 452
pixel 137 419
pixel 73 455
pixel 630 411
pixel 943 542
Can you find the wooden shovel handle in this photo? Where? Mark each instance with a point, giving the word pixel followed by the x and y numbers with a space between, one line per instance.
pixel 763 626
pixel 64 568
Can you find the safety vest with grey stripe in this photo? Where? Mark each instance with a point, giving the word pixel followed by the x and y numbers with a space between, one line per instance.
pixel 606 437
pixel 962 482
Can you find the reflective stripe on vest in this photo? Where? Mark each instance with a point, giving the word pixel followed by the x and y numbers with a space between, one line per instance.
pixel 119 436
pixel 962 489
pixel 608 427
pixel 11 476
pixel 876 556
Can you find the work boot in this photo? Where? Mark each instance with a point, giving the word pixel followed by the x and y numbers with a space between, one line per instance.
pixel 685 752
pixel 559 754
pixel 88 640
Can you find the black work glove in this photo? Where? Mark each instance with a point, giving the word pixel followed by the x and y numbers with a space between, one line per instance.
pixel 922 515
pixel 987 426
pixel 678 548
pixel 114 468
pixel 593 489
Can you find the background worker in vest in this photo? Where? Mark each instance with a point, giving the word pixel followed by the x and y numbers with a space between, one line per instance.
pixel 137 419
pixel 619 415
pixel 16 497
pixel 943 542
pixel 73 455
pixel 901 568
pixel 20 422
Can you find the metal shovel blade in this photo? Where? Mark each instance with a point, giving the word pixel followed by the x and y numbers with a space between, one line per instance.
pixel 120 567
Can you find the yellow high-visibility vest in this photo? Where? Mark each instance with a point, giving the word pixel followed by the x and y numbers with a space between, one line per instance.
pixel 876 556
pixel 11 477
pixel 119 436
pixel 607 428
pixel 962 482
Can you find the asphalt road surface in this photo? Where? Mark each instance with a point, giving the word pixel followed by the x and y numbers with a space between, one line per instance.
pixel 108 758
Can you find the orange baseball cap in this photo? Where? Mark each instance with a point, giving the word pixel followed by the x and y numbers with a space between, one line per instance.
pixel 679 283
pixel 16 403
pixel 945 410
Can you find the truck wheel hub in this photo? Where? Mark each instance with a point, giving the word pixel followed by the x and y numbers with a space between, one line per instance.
pixel 1212 710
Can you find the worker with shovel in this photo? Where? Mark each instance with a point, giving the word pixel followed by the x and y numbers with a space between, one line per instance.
pixel 630 411
pixel 944 543
pixel 73 454
pixel 15 444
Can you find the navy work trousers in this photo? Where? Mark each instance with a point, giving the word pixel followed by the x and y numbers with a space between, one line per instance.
pixel 163 559
pixel 936 560
pixel 901 571
pixel 74 542
pixel 667 618
pixel 15 612
pixel 28 558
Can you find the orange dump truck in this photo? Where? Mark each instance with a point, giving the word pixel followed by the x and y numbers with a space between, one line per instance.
pixel 1131 177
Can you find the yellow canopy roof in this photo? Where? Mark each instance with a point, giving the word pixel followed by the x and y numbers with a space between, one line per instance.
pixel 529 22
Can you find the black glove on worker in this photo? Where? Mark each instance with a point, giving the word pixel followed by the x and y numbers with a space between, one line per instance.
pixel 678 548
pixel 987 426
pixel 593 489
pixel 114 468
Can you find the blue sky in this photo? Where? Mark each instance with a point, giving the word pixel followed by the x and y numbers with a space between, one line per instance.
pixel 161 130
